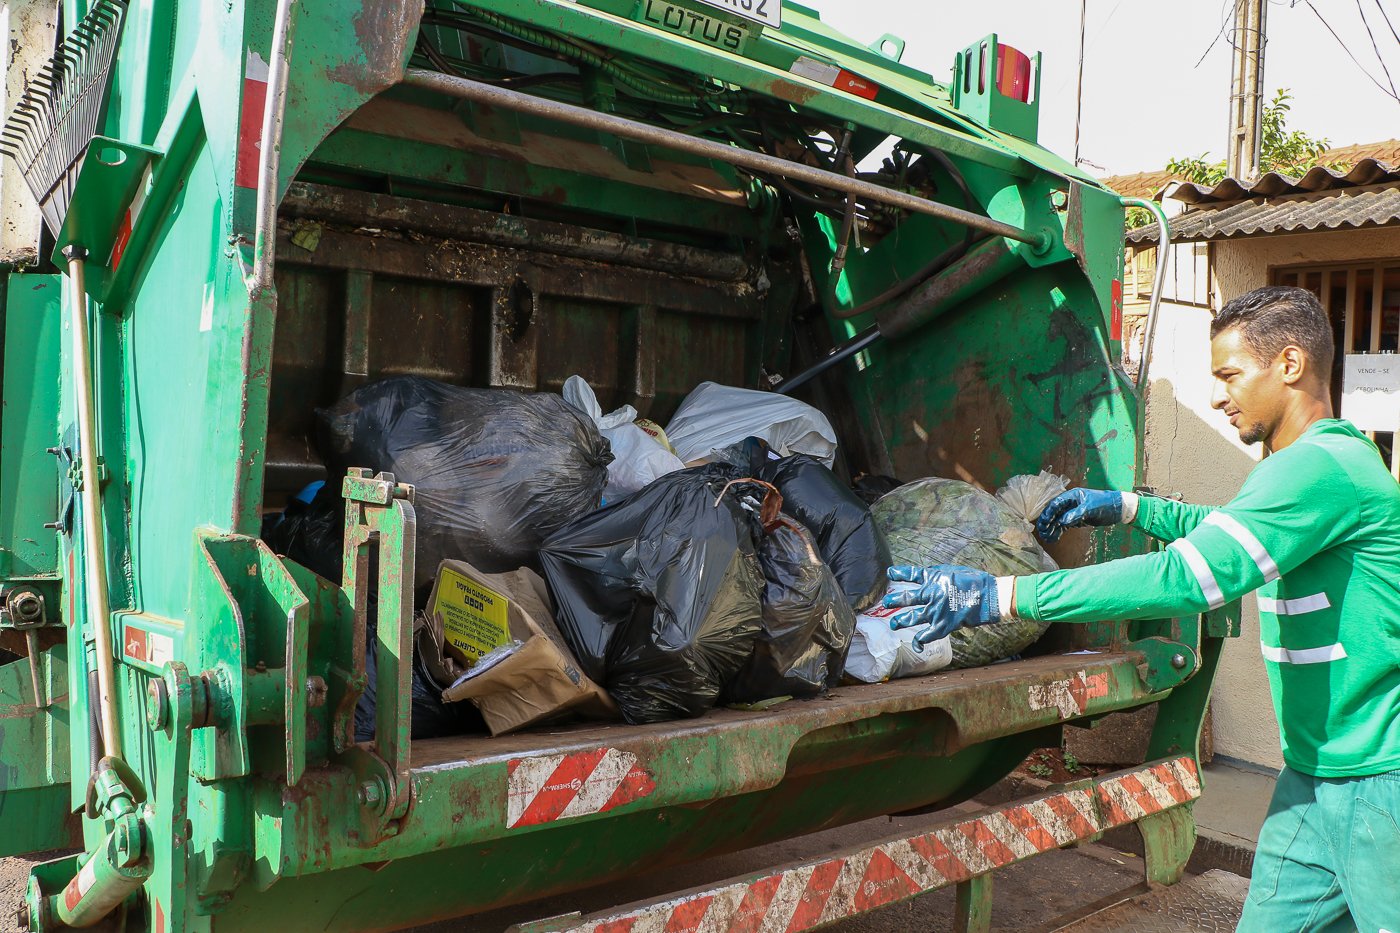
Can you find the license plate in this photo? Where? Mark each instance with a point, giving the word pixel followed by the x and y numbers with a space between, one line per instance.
pixel 683 21
pixel 767 12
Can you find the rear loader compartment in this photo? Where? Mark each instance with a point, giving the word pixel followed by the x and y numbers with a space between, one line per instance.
pixel 502 195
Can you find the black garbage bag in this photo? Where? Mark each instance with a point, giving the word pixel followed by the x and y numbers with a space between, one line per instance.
pixel 807 623
pixel 659 594
pixel 849 540
pixel 870 487
pixel 495 471
pixel 312 533
pixel 430 717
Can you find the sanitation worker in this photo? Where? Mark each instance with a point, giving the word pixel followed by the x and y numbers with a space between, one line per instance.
pixel 1316 531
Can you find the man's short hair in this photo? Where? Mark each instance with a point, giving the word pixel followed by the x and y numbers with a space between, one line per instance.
pixel 1279 316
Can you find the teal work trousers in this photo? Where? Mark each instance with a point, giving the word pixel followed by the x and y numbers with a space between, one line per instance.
pixel 1328 858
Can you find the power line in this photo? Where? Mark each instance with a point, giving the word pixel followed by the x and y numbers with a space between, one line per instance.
pixel 1375 48
pixel 1386 16
pixel 1225 23
pixel 1359 66
pixel 1079 86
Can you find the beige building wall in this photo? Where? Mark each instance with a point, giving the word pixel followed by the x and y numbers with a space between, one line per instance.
pixel 26 42
pixel 1193 452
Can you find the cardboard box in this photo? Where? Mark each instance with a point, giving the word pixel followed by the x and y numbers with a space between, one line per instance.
pixel 530 675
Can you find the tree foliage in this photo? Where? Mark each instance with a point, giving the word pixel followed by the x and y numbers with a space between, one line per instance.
pixel 1288 152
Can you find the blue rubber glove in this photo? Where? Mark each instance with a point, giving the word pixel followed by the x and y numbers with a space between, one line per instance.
pixel 948 598
pixel 1076 508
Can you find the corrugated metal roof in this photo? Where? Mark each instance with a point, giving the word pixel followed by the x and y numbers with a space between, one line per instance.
pixel 1346 208
pixel 1272 184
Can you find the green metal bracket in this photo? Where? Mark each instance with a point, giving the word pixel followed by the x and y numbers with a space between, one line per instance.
pixel 379 511
pixel 1171 649
pixel 1168 839
pixel 1180 716
pixel 114 174
pixel 1225 621
pixel 1165 663
pixel 972 908
pixel 252 651
pixel 170 714
pixel 976 91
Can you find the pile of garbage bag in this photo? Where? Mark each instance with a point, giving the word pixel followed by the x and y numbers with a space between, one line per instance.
pixel 698 589
pixel 750 575
pixel 495 471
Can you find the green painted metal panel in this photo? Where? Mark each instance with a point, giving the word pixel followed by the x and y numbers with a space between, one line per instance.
pixel 34 766
pixel 29 474
pixel 204 397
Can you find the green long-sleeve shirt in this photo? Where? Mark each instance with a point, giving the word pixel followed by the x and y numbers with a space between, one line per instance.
pixel 1316 530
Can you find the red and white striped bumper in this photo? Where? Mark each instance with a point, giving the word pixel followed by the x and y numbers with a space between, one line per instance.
pixel 812 894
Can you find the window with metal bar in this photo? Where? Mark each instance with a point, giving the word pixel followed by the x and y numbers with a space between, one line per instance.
pixel 1363 301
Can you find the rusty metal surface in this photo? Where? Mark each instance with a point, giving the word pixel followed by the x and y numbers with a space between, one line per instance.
pixel 970 692
pixel 419 257
pixel 357 303
pixel 821 891
pixel 360 209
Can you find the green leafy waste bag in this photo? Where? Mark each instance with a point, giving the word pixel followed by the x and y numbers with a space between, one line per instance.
pixel 945 521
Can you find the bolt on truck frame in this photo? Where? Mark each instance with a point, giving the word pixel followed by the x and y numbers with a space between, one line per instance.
pixel 275 201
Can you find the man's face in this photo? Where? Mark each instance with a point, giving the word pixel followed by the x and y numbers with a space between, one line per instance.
pixel 1252 395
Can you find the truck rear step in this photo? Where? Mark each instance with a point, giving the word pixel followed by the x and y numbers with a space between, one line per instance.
pixel 963 851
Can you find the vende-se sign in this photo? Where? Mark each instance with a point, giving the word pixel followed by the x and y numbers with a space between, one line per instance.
pixel 1371 391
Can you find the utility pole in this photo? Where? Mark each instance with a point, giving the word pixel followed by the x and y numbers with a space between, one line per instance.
pixel 1247 90
pixel 1079 84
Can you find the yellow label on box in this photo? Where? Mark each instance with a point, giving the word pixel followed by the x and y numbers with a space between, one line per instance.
pixel 473 617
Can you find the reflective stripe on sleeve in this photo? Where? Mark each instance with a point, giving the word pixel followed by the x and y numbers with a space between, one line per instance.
pixel 1303 655
pixel 1245 538
pixel 1294 607
pixel 1197 562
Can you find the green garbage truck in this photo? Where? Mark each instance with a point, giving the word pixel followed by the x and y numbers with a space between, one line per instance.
pixel 253 207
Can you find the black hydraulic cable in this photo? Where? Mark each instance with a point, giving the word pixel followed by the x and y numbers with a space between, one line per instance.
pixel 838 354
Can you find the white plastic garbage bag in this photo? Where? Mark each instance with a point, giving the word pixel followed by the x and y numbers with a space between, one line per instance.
pixel 714 416
pixel 638 458
pixel 878 653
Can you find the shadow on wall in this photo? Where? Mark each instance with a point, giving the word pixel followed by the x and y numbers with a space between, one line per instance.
pixel 1189 456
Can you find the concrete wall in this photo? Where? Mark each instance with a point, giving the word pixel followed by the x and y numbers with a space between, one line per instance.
pixel 1193 451
pixel 1244 265
pixel 26 42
